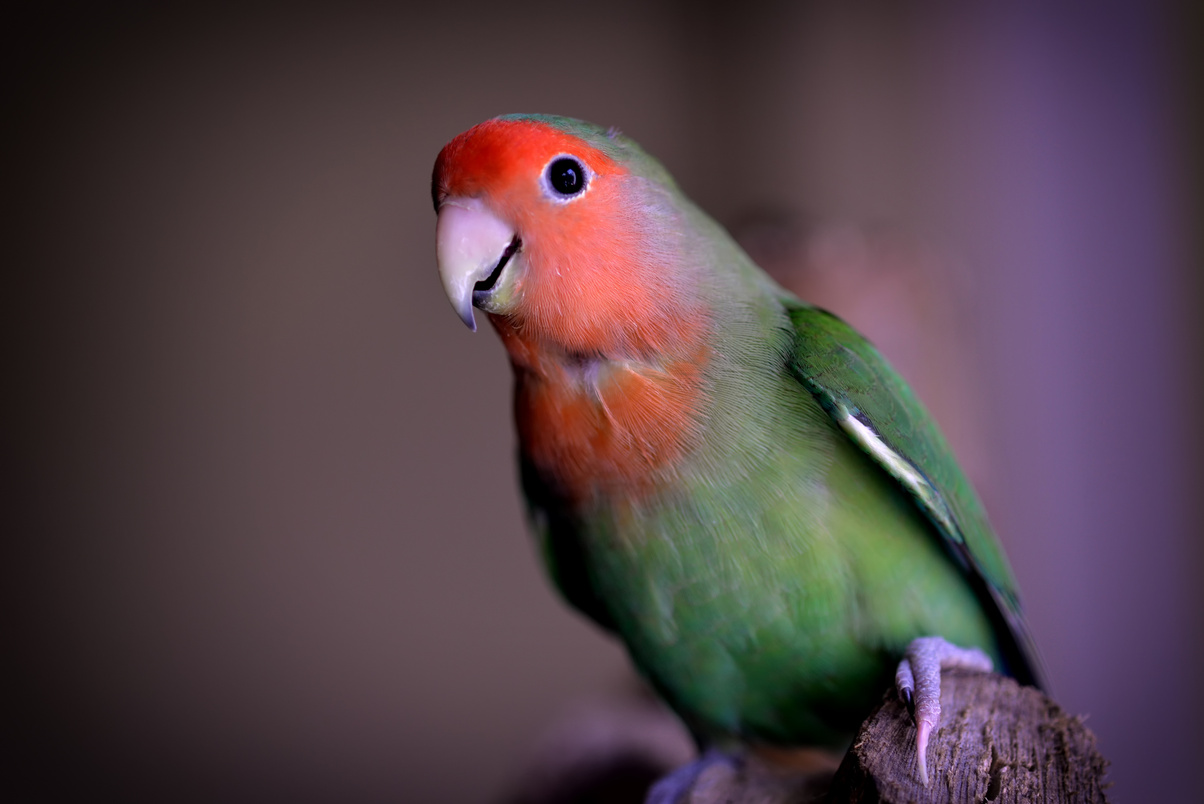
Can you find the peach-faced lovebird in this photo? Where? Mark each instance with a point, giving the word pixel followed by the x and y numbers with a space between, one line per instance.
pixel 731 480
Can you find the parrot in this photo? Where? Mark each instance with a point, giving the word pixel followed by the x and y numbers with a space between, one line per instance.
pixel 733 482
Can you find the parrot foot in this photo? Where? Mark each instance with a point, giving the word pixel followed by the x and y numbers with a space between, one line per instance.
pixel 918 680
pixel 678 785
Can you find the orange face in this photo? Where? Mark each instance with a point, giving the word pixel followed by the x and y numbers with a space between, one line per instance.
pixel 595 249
pixel 582 269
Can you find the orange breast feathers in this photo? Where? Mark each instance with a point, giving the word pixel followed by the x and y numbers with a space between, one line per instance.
pixel 604 427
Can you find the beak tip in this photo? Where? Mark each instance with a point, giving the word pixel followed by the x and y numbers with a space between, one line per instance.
pixel 466 315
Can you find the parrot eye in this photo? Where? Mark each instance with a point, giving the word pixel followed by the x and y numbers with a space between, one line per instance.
pixel 566 177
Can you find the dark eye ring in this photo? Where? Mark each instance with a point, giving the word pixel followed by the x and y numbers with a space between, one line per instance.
pixel 566 177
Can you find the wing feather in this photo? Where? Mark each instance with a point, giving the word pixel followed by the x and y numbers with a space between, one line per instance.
pixel 880 413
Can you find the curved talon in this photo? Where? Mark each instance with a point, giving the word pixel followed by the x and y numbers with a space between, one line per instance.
pixel 923 730
pixel 918 680
pixel 905 682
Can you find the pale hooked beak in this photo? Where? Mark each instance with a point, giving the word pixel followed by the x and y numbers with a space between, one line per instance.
pixel 472 246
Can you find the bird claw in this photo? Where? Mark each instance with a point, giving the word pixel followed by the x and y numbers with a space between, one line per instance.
pixel 676 787
pixel 918 681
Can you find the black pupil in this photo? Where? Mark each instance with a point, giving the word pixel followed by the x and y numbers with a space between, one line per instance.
pixel 566 176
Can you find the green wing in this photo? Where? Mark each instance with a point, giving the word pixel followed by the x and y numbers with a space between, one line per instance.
pixel 879 412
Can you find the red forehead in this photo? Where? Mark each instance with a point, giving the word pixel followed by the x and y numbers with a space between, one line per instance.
pixel 498 155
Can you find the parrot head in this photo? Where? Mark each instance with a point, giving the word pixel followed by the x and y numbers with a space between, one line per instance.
pixel 564 232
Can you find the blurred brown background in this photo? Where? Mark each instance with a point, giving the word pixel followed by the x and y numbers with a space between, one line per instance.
pixel 262 534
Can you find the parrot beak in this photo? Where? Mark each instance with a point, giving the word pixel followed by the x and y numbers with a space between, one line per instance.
pixel 472 246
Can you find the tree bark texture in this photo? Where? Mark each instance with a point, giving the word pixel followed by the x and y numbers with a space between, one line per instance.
pixel 997 742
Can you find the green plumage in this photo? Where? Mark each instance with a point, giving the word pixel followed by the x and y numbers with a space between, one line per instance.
pixel 819 527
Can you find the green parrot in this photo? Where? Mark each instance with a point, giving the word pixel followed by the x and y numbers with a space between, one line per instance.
pixel 731 480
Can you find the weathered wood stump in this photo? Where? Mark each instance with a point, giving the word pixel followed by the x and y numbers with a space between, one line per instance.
pixel 997 742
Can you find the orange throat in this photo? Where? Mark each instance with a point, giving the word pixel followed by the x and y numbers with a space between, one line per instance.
pixel 594 425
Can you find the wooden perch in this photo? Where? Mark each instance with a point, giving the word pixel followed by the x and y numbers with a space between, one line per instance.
pixel 997 742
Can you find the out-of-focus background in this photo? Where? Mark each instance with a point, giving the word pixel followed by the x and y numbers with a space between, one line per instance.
pixel 262 536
